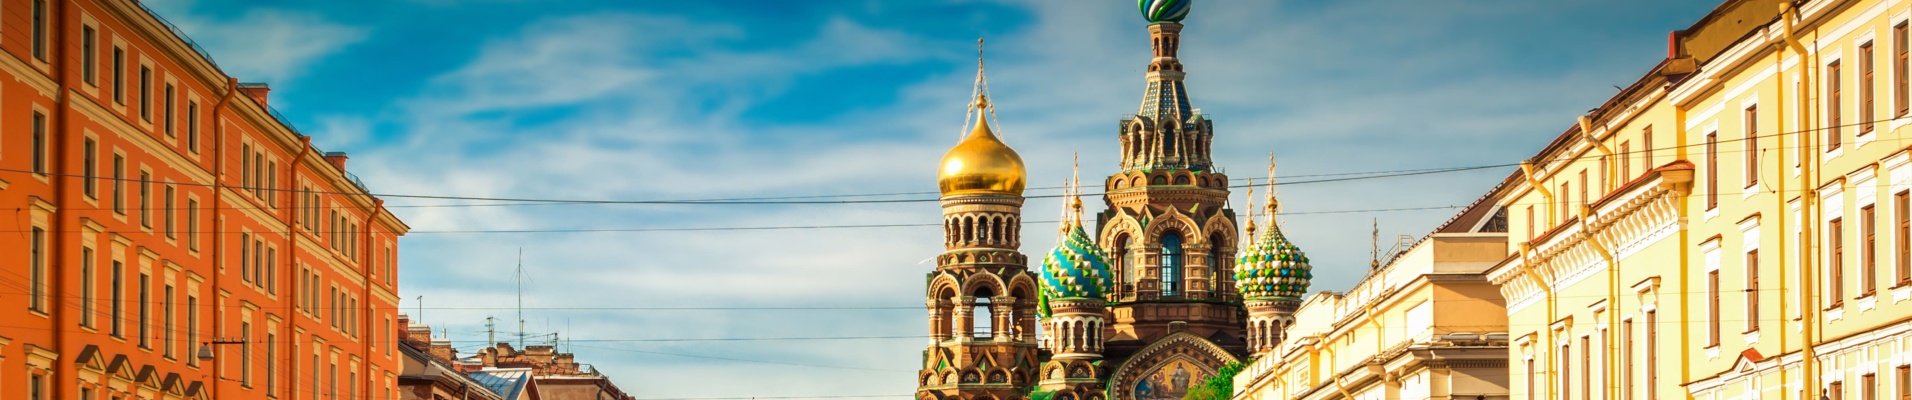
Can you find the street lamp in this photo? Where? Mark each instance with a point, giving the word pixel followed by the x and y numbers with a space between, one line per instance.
pixel 205 349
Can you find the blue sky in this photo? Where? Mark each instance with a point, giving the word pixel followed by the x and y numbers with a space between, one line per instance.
pixel 712 99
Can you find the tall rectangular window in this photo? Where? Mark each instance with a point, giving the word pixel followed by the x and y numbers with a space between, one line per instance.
pixel 89 55
pixel 192 126
pixel 117 293
pixel 88 285
pixel 1836 265
pixel 1586 367
pixel 245 354
pixel 39 143
pixel 272 362
pixel 1712 308
pixel 1833 120
pixel 167 326
pixel 1586 198
pixel 1869 387
pixel 1566 371
pixel 1865 88
pixel 192 325
pixel 1626 359
pixel 245 166
pixel 1900 69
pixel 1868 252
pixel 37 258
pixel 119 184
pixel 1904 372
pixel 1646 147
pixel 1902 209
pixel 1652 355
pixel 1752 146
pixel 36 386
pixel 1836 391
pixel 168 104
pixel 1712 170
pixel 192 224
pixel 272 184
pixel 146 93
pixel 39 30
pixel 1752 290
pixel 146 199
pixel 145 311
pixel 1626 162
pixel 169 211
pixel 272 276
pixel 91 165
pixel 119 75
pixel 245 252
pixel 1566 203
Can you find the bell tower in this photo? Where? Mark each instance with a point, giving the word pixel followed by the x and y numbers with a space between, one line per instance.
pixel 1167 229
pixel 981 298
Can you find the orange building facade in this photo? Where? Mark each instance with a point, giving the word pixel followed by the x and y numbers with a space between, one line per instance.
pixel 168 237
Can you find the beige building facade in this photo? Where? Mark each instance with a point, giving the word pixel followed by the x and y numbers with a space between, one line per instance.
pixel 1427 324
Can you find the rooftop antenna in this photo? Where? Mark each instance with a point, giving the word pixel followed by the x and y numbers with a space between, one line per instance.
pixel 491 332
pixel 421 309
pixel 1375 254
pixel 520 278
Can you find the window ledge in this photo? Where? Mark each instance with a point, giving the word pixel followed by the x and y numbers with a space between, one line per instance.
pixel 1901 293
pixel 1712 352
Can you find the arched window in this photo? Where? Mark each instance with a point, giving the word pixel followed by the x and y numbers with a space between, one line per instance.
pixel 1218 267
pixel 1120 261
pixel 984 316
pixel 1172 264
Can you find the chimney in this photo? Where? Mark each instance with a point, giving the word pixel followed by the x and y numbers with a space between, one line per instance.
pixel 256 90
pixel 441 349
pixel 337 158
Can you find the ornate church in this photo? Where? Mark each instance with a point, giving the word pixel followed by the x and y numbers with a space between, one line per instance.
pixel 1172 285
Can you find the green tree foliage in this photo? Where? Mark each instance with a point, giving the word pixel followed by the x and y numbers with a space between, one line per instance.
pixel 1219 387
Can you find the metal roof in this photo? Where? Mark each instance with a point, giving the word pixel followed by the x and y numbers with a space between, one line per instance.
pixel 510 382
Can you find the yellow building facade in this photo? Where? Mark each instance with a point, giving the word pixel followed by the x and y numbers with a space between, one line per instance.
pixel 1732 226
pixel 1737 224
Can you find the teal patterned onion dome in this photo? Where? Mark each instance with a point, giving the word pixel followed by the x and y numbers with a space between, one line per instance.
pixel 1075 268
pixel 1164 10
pixel 1273 267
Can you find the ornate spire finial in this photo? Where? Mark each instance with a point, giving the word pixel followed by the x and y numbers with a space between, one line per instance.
pixel 983 111
pixel 1073 195
pixel 1251 210
pixel 1274 205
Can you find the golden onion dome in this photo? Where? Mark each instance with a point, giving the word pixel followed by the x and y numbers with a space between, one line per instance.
pixel 981 164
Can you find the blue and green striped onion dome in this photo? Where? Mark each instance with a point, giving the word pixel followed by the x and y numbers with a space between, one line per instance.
pixel 1273 268
pixel 1164 10
pixel 1074 269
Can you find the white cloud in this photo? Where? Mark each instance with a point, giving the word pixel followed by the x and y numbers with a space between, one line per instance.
pixel 268 45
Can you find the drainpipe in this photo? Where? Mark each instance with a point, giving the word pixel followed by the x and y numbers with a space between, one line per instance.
pixel 1528 270
pixel 1808 309
pixel 1333 367
pixel 1527 169
pixel 56 242
pixel 1586 133
pixel 218 246
pixel 291 235
pixel 1613 294
pixel 1786 42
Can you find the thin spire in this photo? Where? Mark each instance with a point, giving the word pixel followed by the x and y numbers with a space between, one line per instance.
pixel 1375 253
pixel 980 109
pixel 1274 205
pixel 1072 197
pixel 1251 210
